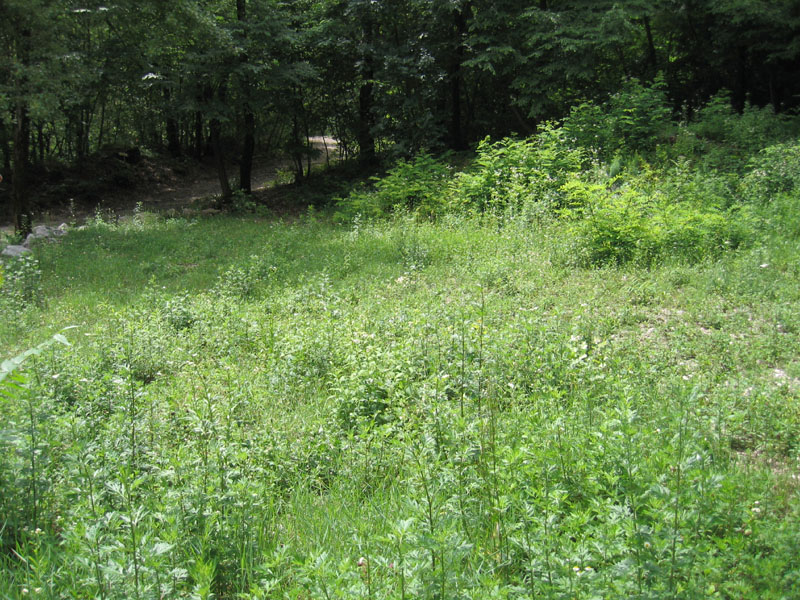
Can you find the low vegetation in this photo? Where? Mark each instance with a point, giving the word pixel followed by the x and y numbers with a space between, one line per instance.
pixel 560 370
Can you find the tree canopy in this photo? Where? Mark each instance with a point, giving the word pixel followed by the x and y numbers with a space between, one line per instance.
pixel 230 78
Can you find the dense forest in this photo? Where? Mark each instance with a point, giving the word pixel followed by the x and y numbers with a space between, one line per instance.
pixel 228 79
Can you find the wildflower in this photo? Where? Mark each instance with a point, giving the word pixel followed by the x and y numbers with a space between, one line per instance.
pixel 362 562
pixel 647 545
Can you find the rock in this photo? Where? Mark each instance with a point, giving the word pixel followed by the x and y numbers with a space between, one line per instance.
pixel 42 231
pixel 15 251
pixel 61 229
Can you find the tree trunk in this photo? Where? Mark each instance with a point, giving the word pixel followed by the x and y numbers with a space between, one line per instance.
pixel 40 143
pixel 248 118
pixel 20 206
pixel 651 48
pixel 297 151
pixel 5 146
pixel 198 135
pixel 460 27
pixel 248 150
pixel 366 139
pixel 219 158
pixel 366 120
pixel 102 132
pixel 173 137
pixel 19 203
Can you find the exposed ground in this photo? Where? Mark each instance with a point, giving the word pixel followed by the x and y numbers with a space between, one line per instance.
pixel 159 186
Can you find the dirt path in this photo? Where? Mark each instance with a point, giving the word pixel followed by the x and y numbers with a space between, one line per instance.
pixel 190 190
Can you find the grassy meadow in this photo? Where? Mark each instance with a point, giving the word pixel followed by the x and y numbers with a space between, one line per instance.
pixel 580 384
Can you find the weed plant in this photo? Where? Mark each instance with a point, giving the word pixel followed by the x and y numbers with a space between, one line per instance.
pixel 415 408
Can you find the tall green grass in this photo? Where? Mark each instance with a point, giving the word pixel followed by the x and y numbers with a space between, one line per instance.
pixel 576 385
pixel 398 410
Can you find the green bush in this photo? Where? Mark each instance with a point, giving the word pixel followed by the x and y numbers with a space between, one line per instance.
pixel 629 225
pixel 635 119
pixel 510 174
pixel 416 185
pixel 721 138
pixel 20 287
pixel 773 171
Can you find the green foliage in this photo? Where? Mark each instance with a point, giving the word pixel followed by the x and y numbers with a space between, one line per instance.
pixel 415 186
pixel 511 175
pixel 635 119
pixel 774 171
pixel 682 219
pixel 20 289
pixel 416 407
pixel 725 139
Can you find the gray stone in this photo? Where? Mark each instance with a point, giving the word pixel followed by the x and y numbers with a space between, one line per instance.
pixel 15 251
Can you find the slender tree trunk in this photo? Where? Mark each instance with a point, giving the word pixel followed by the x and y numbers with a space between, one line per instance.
pixel 5 146
pixel 297 154
pixel 20 206
pixel 366 139
pixel 460 28
pixel 248 150
pixel 40 142
pixel 219 158
pixel 366 119
pixel 198 135
pixel 102 132
pixel 173 130
pixel 651 47
pixel 248 118
pixel 740 89
pixel 308 146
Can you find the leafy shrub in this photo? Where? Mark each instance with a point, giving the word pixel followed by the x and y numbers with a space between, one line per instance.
pixel 628 225
pixel 721 138
pixel 20 286
pixel 749 131
pixel 178 312
pixel 511 174
pixel 415 185
pixel 773 171
pixel 634 119
pixel 240 282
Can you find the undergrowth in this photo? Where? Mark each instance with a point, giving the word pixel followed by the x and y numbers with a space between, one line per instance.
pixel 544 381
